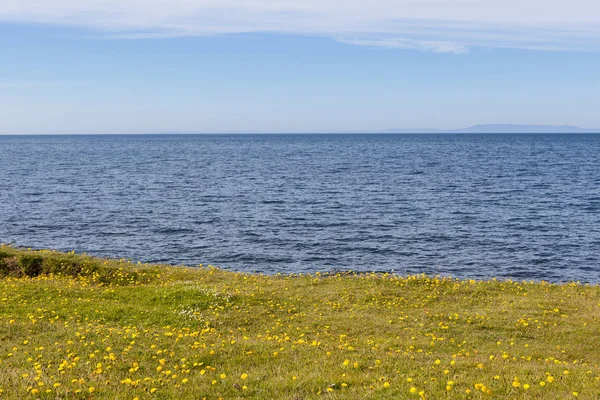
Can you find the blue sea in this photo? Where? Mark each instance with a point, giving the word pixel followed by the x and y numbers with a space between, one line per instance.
pixel 464 205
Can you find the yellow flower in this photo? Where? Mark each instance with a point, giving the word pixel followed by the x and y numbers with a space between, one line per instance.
pixel 516 384
pixel 386 385
pixel 244 376
pixel 413 390
pixel 91 389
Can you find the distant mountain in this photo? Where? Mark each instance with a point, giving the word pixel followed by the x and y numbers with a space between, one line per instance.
pixel 501 128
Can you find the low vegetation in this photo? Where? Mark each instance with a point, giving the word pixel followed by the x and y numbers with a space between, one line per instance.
pixel 78 327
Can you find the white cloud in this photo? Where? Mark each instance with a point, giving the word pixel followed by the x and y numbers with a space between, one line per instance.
pixel 403 43
pixel 428 25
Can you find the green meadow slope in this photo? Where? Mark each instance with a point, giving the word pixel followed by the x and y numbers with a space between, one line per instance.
pixel 78 327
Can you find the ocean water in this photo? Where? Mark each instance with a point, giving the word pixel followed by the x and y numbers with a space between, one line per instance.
pixel 470 206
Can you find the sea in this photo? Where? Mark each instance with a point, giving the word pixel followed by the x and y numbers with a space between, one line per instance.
pixel 473 206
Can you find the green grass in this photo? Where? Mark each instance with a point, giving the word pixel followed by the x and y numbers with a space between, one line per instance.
pixel 78 327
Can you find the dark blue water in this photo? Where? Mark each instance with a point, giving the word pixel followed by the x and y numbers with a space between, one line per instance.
pixel 476 206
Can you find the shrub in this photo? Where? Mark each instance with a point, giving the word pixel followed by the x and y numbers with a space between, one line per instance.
pixel 4 268
pixel 30 265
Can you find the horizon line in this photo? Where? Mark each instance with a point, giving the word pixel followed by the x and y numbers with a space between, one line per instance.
pixel 584 132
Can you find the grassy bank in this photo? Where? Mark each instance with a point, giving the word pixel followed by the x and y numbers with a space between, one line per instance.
pixel 77 327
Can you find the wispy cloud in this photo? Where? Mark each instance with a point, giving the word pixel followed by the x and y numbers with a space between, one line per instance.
pixel 451 26
pixel 404 43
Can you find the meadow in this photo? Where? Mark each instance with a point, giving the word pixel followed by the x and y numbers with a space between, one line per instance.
pixel 78 327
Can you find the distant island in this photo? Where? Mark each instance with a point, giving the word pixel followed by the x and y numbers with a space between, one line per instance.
pixel 500 128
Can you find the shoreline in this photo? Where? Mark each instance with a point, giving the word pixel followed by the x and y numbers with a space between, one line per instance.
pixel 323 273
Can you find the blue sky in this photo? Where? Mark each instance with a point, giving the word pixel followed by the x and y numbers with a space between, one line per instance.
pixel 202 66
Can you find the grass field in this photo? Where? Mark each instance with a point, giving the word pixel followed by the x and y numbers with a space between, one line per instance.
pixel 77 327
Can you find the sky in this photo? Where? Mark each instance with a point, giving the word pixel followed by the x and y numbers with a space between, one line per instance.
pixel 214 66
